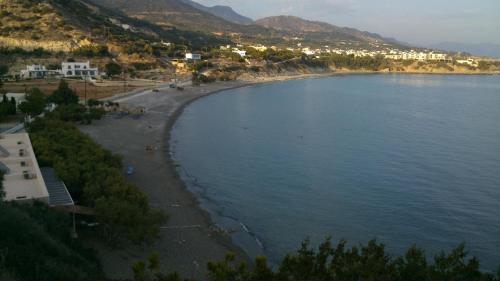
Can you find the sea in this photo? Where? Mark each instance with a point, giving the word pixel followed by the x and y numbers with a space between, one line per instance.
pixel 404 159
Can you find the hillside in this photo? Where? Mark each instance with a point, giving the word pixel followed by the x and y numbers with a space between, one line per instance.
pixel 62 25
pixel 176 13
pixel 225 12
pixel 321 31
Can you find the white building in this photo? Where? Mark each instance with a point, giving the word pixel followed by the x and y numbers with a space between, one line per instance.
pixel 437 57
pixel 23 179
pixel 78 69
pixel 240 52
pixel 191 56
pixel 308 52
pixel 34 71
pixel 468 61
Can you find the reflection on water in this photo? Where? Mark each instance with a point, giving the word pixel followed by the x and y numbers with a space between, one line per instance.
pixel 422 81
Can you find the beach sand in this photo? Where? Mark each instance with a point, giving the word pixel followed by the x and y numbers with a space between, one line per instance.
pixel 189 240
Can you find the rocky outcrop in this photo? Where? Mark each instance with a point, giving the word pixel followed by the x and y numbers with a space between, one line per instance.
pixel 28 44
pixel 49 45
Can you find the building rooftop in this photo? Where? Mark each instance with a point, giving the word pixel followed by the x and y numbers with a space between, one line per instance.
pixel 23 179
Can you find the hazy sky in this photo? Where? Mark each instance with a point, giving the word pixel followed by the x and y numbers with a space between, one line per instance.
pixel 413 21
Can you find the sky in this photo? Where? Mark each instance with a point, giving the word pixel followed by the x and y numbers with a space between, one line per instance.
pixel 420 22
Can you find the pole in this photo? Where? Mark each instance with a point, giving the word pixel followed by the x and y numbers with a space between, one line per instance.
pixel 85 89
pixel 75 235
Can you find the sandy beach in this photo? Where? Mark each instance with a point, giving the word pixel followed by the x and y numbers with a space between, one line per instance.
pixel 189 239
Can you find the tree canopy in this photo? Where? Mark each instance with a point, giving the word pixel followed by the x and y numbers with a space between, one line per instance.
pixel 34 103
pixel 35 244
pixel 63 95
pixel 113 69
pixel 94 177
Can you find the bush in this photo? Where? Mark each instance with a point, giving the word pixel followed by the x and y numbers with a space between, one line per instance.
pixel 34 103
pixel 113 69
pixel 63 95
pixel 94 177
pixel 207 79
pixel 36 244
pixel 92 51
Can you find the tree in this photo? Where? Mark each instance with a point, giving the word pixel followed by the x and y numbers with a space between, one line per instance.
pixel 36 244
pixel 94 177
pixel 6 107
pixel 13 106
pixel 34 103
pixel 63 95
pixel 113 69
pixel 483 65
pixel 4 69
pixel 2 192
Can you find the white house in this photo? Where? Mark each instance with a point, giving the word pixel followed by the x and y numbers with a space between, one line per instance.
pixel 308 51
pixel 437 57
pixel 78 69
pixel 468 61
pixel 240 52
pixel 34 71
pixel 191 56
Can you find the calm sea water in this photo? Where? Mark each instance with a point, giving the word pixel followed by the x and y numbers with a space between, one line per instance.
pixel 402 158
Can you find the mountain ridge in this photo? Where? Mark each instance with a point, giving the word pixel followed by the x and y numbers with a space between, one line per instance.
pixel 224 12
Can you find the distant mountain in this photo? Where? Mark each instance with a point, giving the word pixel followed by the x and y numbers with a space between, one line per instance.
pixel 282 30
pixel 224 12
pixel 315 30
pixel 480 49
pixel 177 13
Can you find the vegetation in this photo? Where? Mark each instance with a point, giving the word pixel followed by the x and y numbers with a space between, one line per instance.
pixel 92 51
pixel 36 53
pixel 4 69
pixel 94 177
pixel 353 62
pixel 34 103
pixel 36 245
pixel 2 192
pixel 113 69
pixel 331 263
pixel 77 113
pixel 63 95
pixel 7 107
pixel 488 65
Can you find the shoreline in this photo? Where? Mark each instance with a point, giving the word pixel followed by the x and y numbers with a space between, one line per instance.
pixel 173 177
pixel 190 238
